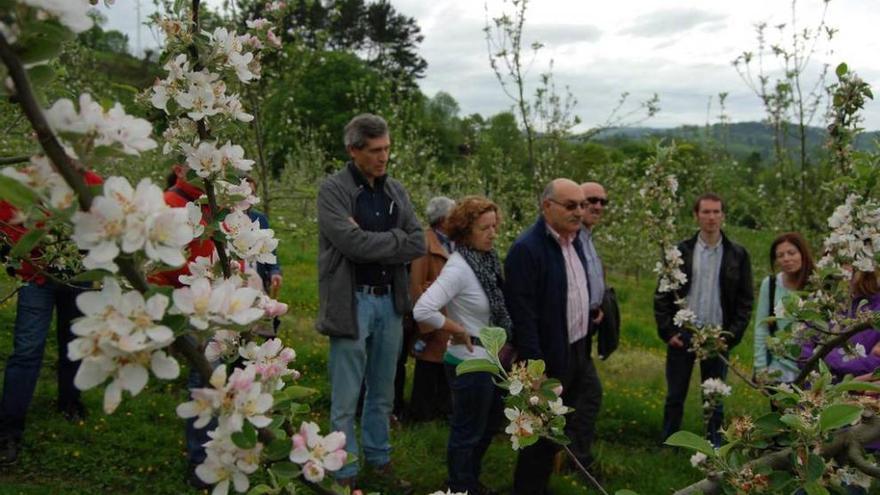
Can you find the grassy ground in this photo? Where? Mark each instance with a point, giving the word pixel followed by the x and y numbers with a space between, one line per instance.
pixel 139 449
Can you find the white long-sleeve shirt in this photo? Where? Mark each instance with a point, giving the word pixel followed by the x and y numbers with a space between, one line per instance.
pixel 458 290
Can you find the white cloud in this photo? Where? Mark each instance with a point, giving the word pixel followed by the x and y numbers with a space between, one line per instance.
pixel 683 51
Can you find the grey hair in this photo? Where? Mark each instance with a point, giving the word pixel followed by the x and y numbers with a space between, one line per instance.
pixel 549 191
pixel 363 127
pixel 438 208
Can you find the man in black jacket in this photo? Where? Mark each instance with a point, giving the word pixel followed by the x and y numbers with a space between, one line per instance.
pixel 719 292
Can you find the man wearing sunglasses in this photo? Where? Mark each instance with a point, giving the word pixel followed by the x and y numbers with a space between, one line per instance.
pixel 581 424
pixel 548 299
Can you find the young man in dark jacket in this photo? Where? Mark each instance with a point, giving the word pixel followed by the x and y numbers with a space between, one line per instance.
pixel 719 292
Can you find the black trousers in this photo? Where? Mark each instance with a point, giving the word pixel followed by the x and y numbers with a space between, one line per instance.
pixel 679 366
pixel 580 388
pixel 430 393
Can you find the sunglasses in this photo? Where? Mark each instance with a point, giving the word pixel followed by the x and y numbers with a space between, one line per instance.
pixel 571 205
pixel 596 200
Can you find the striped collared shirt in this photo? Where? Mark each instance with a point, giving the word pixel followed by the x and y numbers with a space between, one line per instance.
pixel 704 298
pixel 578 300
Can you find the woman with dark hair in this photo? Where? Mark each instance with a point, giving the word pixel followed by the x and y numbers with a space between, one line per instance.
pixel 469 287
pixel 791 255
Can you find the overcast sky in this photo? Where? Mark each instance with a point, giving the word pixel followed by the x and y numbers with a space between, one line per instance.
pixel 680 49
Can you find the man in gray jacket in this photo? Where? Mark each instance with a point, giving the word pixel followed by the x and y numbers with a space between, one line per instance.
pixel 367 232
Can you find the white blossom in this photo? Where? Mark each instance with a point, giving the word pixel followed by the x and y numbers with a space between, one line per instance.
pixel 71 13
pixel 715 386
pixel 698 459
pixel 119 337
pixel 316 453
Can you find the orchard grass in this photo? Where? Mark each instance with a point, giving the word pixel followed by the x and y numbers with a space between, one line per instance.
pixel 140 448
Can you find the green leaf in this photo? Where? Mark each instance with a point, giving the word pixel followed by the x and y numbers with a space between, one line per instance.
pixel 41 75
pixel 27 243
pixel 841 69
pixel 278 449
pixel 815 467
pixel 16 193
pixel 769 424
pixel 260 490
pixel 286 469
pixel 725 449
pixel 792 421
pixel 38 49
pixel 691 441
pixel 91 276
pixel 625 492
pixel 246 438
pixel 178 5
pixel 838 415
pixel 476 365
pixel 527 441
pixel 857 386
pixel 276 423
pixel 295 392
pixel 536 367
pixel 493 339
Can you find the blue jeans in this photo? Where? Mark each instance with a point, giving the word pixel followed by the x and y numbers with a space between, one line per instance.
pixel 196 438
pixel 371 359
pixel 476 417
pixel 32 320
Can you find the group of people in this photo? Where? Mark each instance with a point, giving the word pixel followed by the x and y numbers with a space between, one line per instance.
pixel 376 264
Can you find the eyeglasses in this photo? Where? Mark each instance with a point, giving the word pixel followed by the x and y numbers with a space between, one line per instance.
pixel 596 200
pixel 571 205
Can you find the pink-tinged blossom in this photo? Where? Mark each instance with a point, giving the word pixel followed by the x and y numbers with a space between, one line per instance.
pixel 270 360
pixel 316 453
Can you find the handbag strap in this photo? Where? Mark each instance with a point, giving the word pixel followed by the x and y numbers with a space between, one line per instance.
pixel 771 326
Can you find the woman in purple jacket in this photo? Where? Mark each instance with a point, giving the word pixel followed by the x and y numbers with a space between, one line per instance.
pixel 865 287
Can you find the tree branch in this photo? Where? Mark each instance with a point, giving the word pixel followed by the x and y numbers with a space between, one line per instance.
pixel 867 431
pixel 70 170
pixel 826 348
pixel 854 453
pixel 68 167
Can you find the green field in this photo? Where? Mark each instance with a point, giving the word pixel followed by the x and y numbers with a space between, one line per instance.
pixel 139 449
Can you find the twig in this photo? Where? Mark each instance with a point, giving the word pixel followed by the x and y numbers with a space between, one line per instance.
pixel 584 470
pixel 9 296
pixel 742 376
pixel 11 160
pixel 826 348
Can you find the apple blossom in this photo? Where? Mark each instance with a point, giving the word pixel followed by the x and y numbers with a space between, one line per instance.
pixel 119 336
pixel 316 453
pixel 71 13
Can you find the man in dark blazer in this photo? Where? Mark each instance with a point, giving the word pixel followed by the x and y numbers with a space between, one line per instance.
pixel 719 291
pixel 547 295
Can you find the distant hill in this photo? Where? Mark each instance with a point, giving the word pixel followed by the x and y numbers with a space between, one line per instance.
pixel 742 138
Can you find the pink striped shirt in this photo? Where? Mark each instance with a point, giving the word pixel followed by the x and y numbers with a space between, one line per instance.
pixel 578 291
